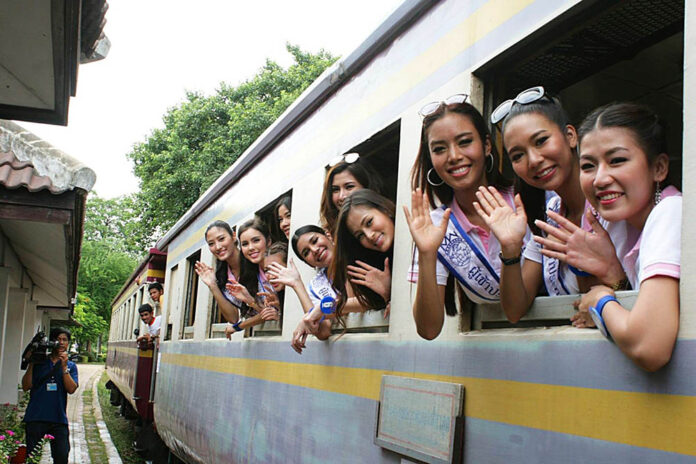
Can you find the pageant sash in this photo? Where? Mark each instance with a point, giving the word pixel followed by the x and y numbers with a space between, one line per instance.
pixel 558 280
pixel 465 260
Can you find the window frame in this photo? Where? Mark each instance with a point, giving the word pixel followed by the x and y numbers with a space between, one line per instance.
pixel 188 315
pixel 548 311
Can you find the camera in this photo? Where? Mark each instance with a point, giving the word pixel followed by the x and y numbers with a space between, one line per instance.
pixel 38 349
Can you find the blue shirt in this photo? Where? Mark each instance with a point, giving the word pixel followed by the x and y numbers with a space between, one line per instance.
pixel 45 405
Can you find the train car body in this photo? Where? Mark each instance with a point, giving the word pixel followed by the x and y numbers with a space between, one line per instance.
pixel 129 367
pixel 538 392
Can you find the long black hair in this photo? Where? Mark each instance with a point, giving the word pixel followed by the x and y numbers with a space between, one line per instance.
pixel 299 233
pixel 419 174
pixel 444 193
pixel 287 202
pixel 249 272
pixel 534 199
pixel 642 121
pixel 221 268
pixel 347 250
pixel 363 173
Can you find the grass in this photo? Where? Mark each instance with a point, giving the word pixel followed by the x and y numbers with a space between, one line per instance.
pixel 95 446
pixel 120 429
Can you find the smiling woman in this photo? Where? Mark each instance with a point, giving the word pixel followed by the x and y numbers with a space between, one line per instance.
pixel 363 245
pixel 455 158
pixel 348 174
pixel 623 167
pixel 542 147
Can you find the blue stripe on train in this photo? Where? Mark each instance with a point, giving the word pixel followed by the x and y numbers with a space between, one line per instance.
pixel 494 442
pixel 251 420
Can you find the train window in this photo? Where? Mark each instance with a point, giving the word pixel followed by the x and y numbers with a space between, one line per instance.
pixel 116 324
pixel 169 300
pixel 380 152
pixel 122 322
pixel 189 315
pixel 268 215
pixel 135 315
pixel 217 322
pixel 588 56
pixel 140 301
pixel 129 319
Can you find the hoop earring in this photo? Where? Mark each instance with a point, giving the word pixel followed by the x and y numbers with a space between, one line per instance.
pixel 489 156
pixel 434 184
pixel 658 193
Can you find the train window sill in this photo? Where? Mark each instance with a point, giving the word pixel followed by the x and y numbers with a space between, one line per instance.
pixel 546 313
pixel 367 322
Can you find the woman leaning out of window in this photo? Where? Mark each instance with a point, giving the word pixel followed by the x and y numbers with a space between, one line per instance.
pixel 623 173
pixel 455 158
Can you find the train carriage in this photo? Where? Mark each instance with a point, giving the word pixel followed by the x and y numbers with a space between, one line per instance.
pixel 539 391
pixel 130 369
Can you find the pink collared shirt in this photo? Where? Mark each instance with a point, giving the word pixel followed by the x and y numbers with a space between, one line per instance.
pixel 657 251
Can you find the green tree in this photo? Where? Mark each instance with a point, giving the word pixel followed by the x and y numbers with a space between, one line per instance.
pixel 110 252
pixel 92 325
pixel 116 222
pixel 103 271
pixel 204 135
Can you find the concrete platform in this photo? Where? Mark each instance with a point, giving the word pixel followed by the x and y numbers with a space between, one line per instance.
pixel 89 375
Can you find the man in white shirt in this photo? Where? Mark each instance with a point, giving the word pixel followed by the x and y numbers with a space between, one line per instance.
pixel 147 315
pixel 156 292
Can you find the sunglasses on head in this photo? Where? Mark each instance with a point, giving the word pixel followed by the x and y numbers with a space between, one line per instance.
pixel 348 158
pixel 523 98
pixel 432 107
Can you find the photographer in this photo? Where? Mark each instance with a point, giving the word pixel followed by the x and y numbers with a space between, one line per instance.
pixel 50 381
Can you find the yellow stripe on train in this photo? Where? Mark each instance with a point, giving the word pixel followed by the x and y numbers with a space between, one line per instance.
pixel 133 351
pixel 155 273
pixel 618 416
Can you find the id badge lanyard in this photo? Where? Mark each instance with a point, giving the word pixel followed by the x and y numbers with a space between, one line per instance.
pixel 52 385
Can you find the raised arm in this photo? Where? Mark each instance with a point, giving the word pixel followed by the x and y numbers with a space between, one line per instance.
pixel 27 377
pixel 68 381
pixel 429 305
pixel 518 283
pixel 206 273
pixel 269 313
pixel 377 280
pixel 290 277
pixel 592 252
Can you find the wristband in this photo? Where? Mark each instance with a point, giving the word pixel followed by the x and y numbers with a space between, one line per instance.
pixel 509 261
pixel 579 272
pixel 236 327
pixel 596 313
pixel 327 305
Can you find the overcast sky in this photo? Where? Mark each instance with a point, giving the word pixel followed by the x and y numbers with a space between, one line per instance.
pixel 160 48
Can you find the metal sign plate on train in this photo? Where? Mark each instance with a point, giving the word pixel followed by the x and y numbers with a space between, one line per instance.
pixel 421 419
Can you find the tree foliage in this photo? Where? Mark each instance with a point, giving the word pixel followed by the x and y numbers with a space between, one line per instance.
pixel 201 138
pixel 115 223
pixel 92 325
pixel 204 135
pixel 110 252
pixel 103 271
